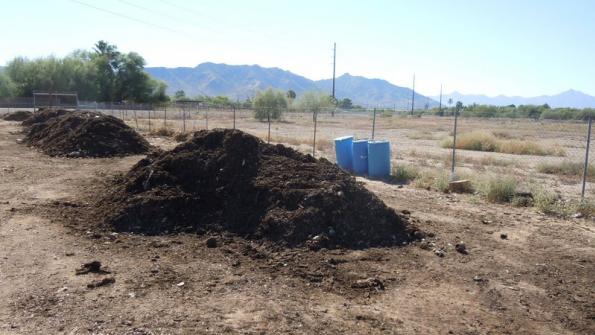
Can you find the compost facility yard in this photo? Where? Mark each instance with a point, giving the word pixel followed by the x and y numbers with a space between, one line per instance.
pixel 520 271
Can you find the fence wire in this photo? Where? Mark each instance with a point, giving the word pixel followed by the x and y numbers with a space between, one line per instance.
pixel 538 153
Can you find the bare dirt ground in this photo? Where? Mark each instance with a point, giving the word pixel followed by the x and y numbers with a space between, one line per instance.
pixel 539 280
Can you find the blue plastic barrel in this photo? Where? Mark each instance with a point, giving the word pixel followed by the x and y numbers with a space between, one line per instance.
pixel 379 159
pixel 360 157
pixel 343 151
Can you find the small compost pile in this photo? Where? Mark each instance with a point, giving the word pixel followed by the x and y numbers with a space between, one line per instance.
pixel 17 116
pixel 227 180
pixel 83 134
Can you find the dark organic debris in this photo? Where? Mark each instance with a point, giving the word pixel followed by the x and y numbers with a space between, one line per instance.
pixel 504 236
pixel 374 283
pixel 43 115
pixel 91 267
pixel 227 180
pixel 101 282
pixel 17 116
pixel 211 242
pixel 461 248
pixel 479 279
pixel 84 134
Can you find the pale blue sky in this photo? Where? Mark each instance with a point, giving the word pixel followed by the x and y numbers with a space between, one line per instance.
pixel 492 47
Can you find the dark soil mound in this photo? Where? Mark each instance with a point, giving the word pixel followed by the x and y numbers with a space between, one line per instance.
pixel 85 134
pixel 227 180
pixel 17 116
pixel 43 115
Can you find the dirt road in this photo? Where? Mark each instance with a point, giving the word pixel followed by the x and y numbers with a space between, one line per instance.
pixel 538 280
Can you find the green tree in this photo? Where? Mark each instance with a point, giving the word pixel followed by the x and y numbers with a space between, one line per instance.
pixel 345 103
pixel 269 103
pixel 315 102
pixel 180 95
pixel 7 87
pixel 107 61
pixel 102 74
pixel 291 95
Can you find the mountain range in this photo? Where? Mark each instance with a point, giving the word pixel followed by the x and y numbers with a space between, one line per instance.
pixel 243 81
pixel 570 98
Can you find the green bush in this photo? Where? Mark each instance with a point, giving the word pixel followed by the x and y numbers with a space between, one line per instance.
pixel 497 188
pixel 269 103
pixel 404 173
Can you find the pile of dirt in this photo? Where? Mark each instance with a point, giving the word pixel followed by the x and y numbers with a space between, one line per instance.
pixel 17 116
pixel 43 115
pixel 84 134
pixel 227 180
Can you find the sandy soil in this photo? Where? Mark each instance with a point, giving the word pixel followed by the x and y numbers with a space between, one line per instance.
pixel 539 280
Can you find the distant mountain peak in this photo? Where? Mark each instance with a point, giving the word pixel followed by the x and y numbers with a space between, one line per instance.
pixel 570 98
pixel 243 81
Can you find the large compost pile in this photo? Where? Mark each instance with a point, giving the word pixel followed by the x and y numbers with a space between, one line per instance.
pixel 17 116
pixel 83 134
pixel 43 115
pixel 227 180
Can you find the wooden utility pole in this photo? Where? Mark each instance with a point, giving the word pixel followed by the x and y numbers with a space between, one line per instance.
pixel 413 96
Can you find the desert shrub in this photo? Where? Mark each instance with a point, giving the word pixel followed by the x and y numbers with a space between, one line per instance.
pixel 424 180
pixel 486 141
pixel 431 180
pixel 477 141
pixel 520 201
pixel 545 201
pixel 496 188
pixel 567 168
pixel 181 137
pixel 404 173
pixel 162 132
pixel 441 182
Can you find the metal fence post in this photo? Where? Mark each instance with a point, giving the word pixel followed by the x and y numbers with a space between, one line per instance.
pixel 269 120
pixel 165 116
pixel 454 146
pixel 207 119
pixel 135 119
pixel 234 117
pixel 314 141
pixel 374 123
pixel 586 167
pixel 149 120
pixel 183 119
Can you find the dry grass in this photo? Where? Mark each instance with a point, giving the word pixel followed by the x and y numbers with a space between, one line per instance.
pixel 403 173
pixel 496 188
pixel 432 180
pixel 166 132
pixel 551 203
pixel 567 169
pixel 487 141
pixel 421 135
pixel 181 137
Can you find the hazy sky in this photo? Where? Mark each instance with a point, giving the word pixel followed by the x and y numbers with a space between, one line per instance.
pixel 493 47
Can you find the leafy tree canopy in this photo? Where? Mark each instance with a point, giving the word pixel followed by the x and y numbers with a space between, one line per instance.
pixel 270 103
pixel 102 74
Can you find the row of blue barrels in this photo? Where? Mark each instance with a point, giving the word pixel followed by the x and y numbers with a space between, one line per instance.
pixel 363 157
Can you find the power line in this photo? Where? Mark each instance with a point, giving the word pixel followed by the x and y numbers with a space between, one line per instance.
pixel 239 29
pixel 127 17
pixel 162 14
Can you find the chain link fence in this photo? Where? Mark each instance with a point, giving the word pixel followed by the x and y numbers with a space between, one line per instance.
pixel 537 153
